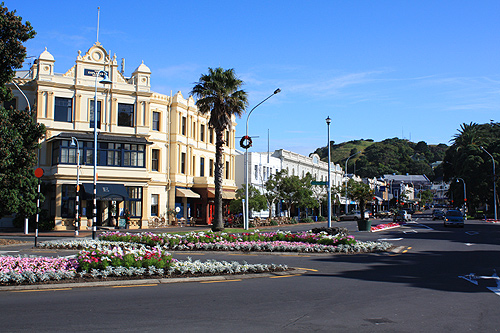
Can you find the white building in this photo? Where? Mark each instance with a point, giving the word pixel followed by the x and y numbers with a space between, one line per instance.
pixel 262 165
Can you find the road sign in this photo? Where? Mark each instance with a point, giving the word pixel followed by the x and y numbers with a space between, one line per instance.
pixel 38 172
pixel 318 183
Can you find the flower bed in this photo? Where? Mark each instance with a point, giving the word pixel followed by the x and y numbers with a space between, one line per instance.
pixel 174 241
pixel 492 221
pixel 385 226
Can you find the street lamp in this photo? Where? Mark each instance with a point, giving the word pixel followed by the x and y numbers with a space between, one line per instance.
pixel 494 185
pixel 328 121
pixel 465 195
pixel 245 222
pixel 105 80
pixel 346 204
pixel 77 222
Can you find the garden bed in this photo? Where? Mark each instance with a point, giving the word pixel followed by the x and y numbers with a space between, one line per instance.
pixel 385 226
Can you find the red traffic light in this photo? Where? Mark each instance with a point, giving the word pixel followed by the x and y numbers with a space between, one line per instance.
pixel 465 200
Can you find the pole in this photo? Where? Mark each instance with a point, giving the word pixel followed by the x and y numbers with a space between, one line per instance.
pixel 328 120
pixel 245 221
pixel 494 184
pixel 37 215
pixel 77 221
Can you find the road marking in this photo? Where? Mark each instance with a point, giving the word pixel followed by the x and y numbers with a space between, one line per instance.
pixel 137 285
pixel 235 280
pixel 390 239
pixel 473 278
pixel 409 248
pixel 284 276
pixel 5 252
pixel 469 244
pixel 27 291
pixel 411 230
pixel 307 269
pixel 472 233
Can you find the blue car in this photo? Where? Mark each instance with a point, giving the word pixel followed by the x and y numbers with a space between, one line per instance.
pixel 454 217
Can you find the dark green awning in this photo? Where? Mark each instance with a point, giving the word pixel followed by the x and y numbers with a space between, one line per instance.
pixel 106 192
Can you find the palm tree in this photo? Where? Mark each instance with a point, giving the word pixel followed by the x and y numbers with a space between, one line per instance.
pixel 219 94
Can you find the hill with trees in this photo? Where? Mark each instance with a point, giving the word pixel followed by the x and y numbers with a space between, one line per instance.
pixel 386 157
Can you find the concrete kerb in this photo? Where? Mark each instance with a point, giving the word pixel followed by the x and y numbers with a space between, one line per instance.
pixel 139 282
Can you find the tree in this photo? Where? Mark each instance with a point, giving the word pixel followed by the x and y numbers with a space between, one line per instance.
pixel 13 33
pixel 19 133
pixel 219 95
pixel 361 193
pixel 465 159
pixel 256 200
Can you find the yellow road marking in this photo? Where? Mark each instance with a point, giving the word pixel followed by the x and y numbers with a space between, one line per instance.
pixel 136 285
pixel 284 276
pixel 307 269
pixel 27 291
pixel 221 281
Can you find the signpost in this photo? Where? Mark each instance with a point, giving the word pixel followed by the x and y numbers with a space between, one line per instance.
pixel 319 183
pixel 38 174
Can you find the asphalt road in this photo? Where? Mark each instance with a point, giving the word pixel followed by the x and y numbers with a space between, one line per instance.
pixel 416 288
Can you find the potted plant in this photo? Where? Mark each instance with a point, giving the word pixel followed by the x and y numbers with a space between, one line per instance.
pixel 171 215
pixel 362 193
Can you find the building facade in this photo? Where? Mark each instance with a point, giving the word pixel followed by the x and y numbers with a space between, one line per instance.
pixel 155 152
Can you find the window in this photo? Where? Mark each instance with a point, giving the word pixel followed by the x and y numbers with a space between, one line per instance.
pixel 227 169
pixel 256 172
pixel 183 125
pixel 155 157
pixel 62 153
pixel 227 138
pixel 194 130
pixel 156 121
pixel 183 162
pixel 63 109
pixel 211 135
pixel 193 166
pixel 68 199
pixel 113 152
pixel 133 155
pixel 211 168
pixel 202 166
pixel 126 115
pixel 134 204
pixel 154 204
pixel 91 116
pixel 202 133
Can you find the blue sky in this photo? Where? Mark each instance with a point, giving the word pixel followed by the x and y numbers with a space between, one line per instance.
pixel 379 69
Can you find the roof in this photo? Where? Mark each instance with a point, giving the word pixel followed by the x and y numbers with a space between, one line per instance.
pixel 407 178
pixel 101 137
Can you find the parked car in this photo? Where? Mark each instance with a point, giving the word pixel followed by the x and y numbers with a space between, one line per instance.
pixel 401 216
pixel 355 215
pixel 438 214
pixel 383 214
pixel 454 217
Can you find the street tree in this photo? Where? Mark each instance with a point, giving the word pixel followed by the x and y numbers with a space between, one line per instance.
pixel 19 132
pixel 256 200
pixel 219 95
pixel 360 192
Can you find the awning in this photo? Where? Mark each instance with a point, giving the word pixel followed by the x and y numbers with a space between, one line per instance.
pixel 106 192
pixel 186 193
pixel 225 194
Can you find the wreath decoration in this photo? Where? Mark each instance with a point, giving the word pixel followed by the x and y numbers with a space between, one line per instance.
pixel 248 140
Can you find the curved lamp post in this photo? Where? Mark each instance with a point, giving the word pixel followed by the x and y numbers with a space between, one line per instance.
pixel 245 222
pixel 494 184
pixel 105 80
pixel 77 222
pixel 328 121
pixel 465 195
pixel 346 204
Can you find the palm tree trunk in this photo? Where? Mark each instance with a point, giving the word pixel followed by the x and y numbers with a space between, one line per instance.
pixel 218 224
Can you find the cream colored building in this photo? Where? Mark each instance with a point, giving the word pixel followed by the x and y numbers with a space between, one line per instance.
pixel 155 152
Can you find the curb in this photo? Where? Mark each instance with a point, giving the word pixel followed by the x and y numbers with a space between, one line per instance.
pixel 139 282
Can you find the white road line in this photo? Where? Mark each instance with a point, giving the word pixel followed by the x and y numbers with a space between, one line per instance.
pixel 472 233
pixel 5 252
pixel 389 239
